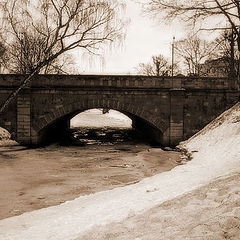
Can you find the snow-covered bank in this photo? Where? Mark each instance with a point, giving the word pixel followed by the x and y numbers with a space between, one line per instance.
pixel 5 138
pixel 4 134
pixel 216 152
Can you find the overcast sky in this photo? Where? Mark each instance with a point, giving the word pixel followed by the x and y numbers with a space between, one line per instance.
pixel 144 38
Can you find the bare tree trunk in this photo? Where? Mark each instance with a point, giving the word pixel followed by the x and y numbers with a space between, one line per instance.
pixel 16 91
pixel 232 60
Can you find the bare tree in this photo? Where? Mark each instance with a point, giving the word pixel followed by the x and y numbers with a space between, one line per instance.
pixel 158 66
pixel 3 57
pixel 22 56
pixel 227 11
pixel 44 30
pixel 64 64
pixel 193 51
pixel 226 49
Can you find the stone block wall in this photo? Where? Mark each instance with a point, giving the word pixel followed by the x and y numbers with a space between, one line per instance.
pixel 24 117
pixel 50 105
pixel 9 116
pixel 175 107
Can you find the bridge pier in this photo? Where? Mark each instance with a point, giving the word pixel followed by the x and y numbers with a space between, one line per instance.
pixel 24 117
pixel 176 128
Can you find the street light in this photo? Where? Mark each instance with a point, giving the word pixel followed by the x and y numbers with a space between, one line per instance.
pixel 173 55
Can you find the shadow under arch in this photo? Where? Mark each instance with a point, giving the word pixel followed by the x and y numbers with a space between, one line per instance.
pixel 54 125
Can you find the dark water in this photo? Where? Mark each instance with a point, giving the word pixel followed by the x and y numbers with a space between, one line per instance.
pixel 101 136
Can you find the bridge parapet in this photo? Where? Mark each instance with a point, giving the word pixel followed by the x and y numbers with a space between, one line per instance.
pixel 119 81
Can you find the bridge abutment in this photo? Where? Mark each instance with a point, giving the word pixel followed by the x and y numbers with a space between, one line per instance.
pixel 176 128
pixel 24 117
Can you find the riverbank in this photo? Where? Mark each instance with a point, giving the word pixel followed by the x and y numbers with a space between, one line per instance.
pixel 211 212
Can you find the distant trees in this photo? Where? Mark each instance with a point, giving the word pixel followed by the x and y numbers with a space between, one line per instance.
pixel 158 66
pixel 190 53
pixel 38 33
pixel 193 51
pixel 226 49
pixel 225 14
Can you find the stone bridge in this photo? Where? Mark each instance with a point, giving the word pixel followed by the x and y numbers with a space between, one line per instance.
pixel 165 109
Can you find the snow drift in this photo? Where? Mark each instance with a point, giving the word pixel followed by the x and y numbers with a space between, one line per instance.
pixel 215 151
pixel 5 138
pixel 4 134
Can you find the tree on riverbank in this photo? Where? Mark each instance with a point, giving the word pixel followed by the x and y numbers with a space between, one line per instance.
pixel 52 28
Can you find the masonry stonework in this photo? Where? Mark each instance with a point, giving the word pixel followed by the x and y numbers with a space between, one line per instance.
pixel 24 117
pixel 167 110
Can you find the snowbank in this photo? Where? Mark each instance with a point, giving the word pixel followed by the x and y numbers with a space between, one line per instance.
pixel 219 140
pixel 215 151
pixel 5 138
pixel 4 134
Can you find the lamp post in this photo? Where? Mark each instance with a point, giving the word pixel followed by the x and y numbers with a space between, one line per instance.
pixel 173 55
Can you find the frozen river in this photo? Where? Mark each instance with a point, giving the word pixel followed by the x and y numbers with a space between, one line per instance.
pixel 36 178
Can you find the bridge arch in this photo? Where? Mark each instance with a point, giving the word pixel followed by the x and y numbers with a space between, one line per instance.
pixel 58 119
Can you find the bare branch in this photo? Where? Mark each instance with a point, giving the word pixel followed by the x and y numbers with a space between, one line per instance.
pixel 44 30
pixel 158 66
